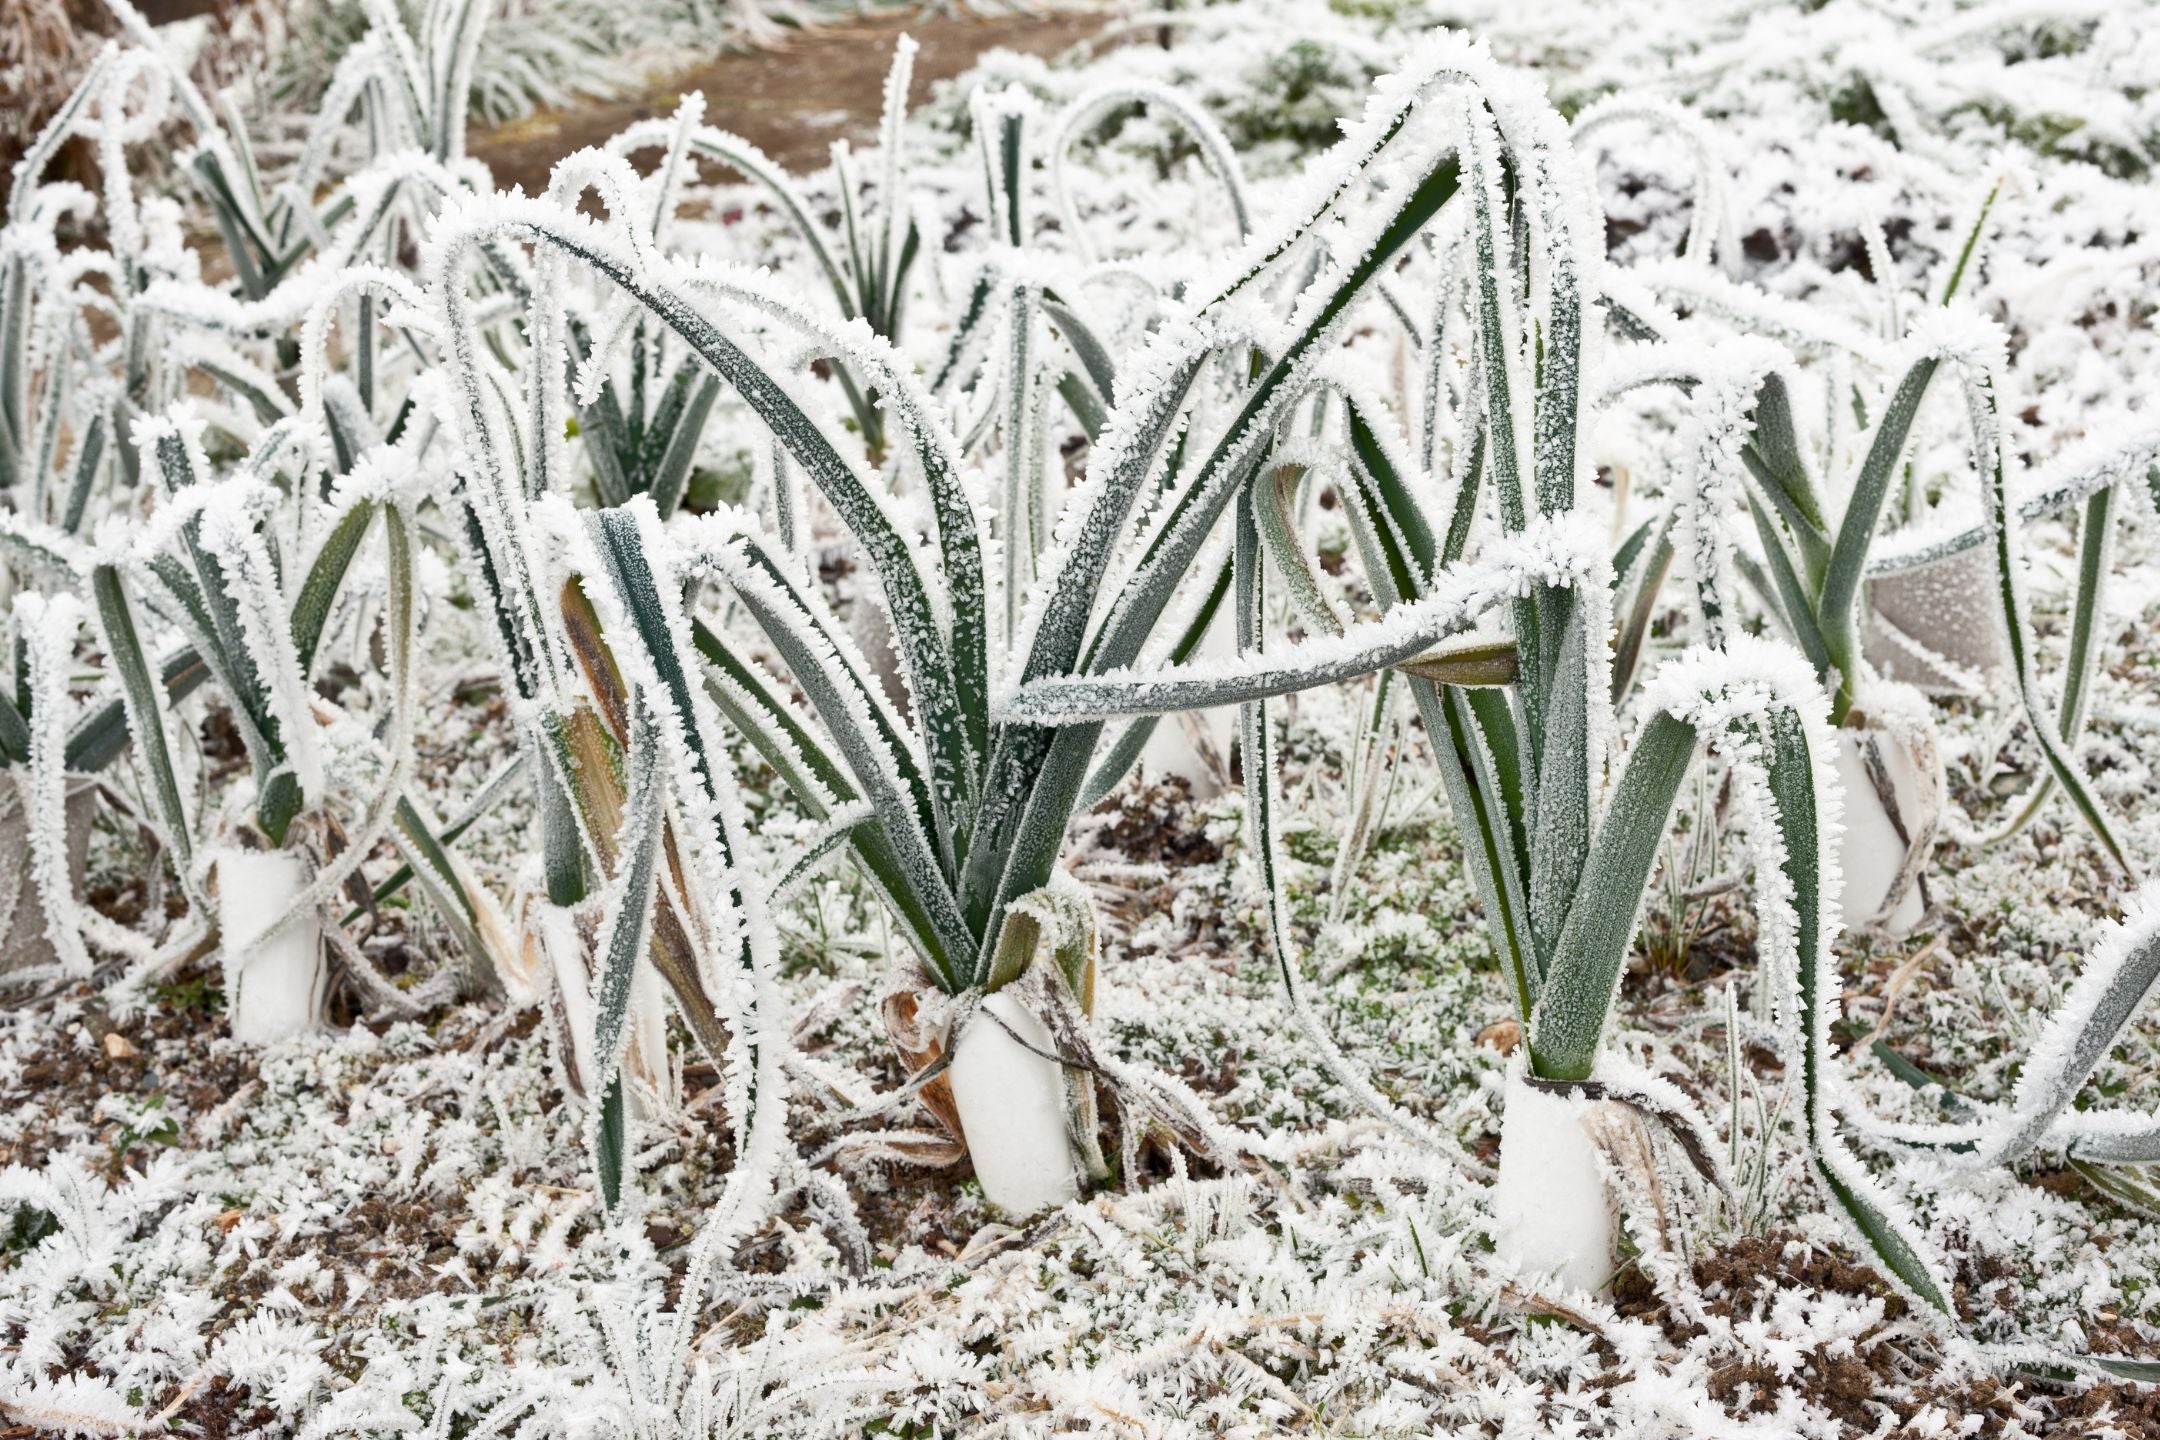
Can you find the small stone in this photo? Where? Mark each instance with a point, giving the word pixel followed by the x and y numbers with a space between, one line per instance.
pixel 226 1219
pixel 118 1046
pixel 1501 1035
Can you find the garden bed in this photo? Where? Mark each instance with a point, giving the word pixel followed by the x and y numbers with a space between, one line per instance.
pixel 1279 965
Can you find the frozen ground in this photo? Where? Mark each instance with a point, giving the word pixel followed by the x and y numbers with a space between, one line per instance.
pixel 392 1229
pixel 362 1233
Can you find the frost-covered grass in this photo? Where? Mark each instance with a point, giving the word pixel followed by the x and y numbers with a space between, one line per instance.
pixel 358 512
pixel 413 1212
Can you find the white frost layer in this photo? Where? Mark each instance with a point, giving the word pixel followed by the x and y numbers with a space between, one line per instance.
pixel 1012 1107
pixel 273 989
pixel 1552 1215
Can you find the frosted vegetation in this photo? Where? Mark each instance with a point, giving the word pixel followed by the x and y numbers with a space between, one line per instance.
pixel 1318 722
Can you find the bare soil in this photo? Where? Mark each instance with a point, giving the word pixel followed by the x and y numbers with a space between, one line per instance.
pixel 791 99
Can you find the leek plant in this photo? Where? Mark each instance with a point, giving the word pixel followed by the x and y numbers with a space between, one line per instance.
pixel 268 454
pixel 1754 458
pixel 956 817
pixel 1562 823
pixel 124 374
pixel 1520 724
